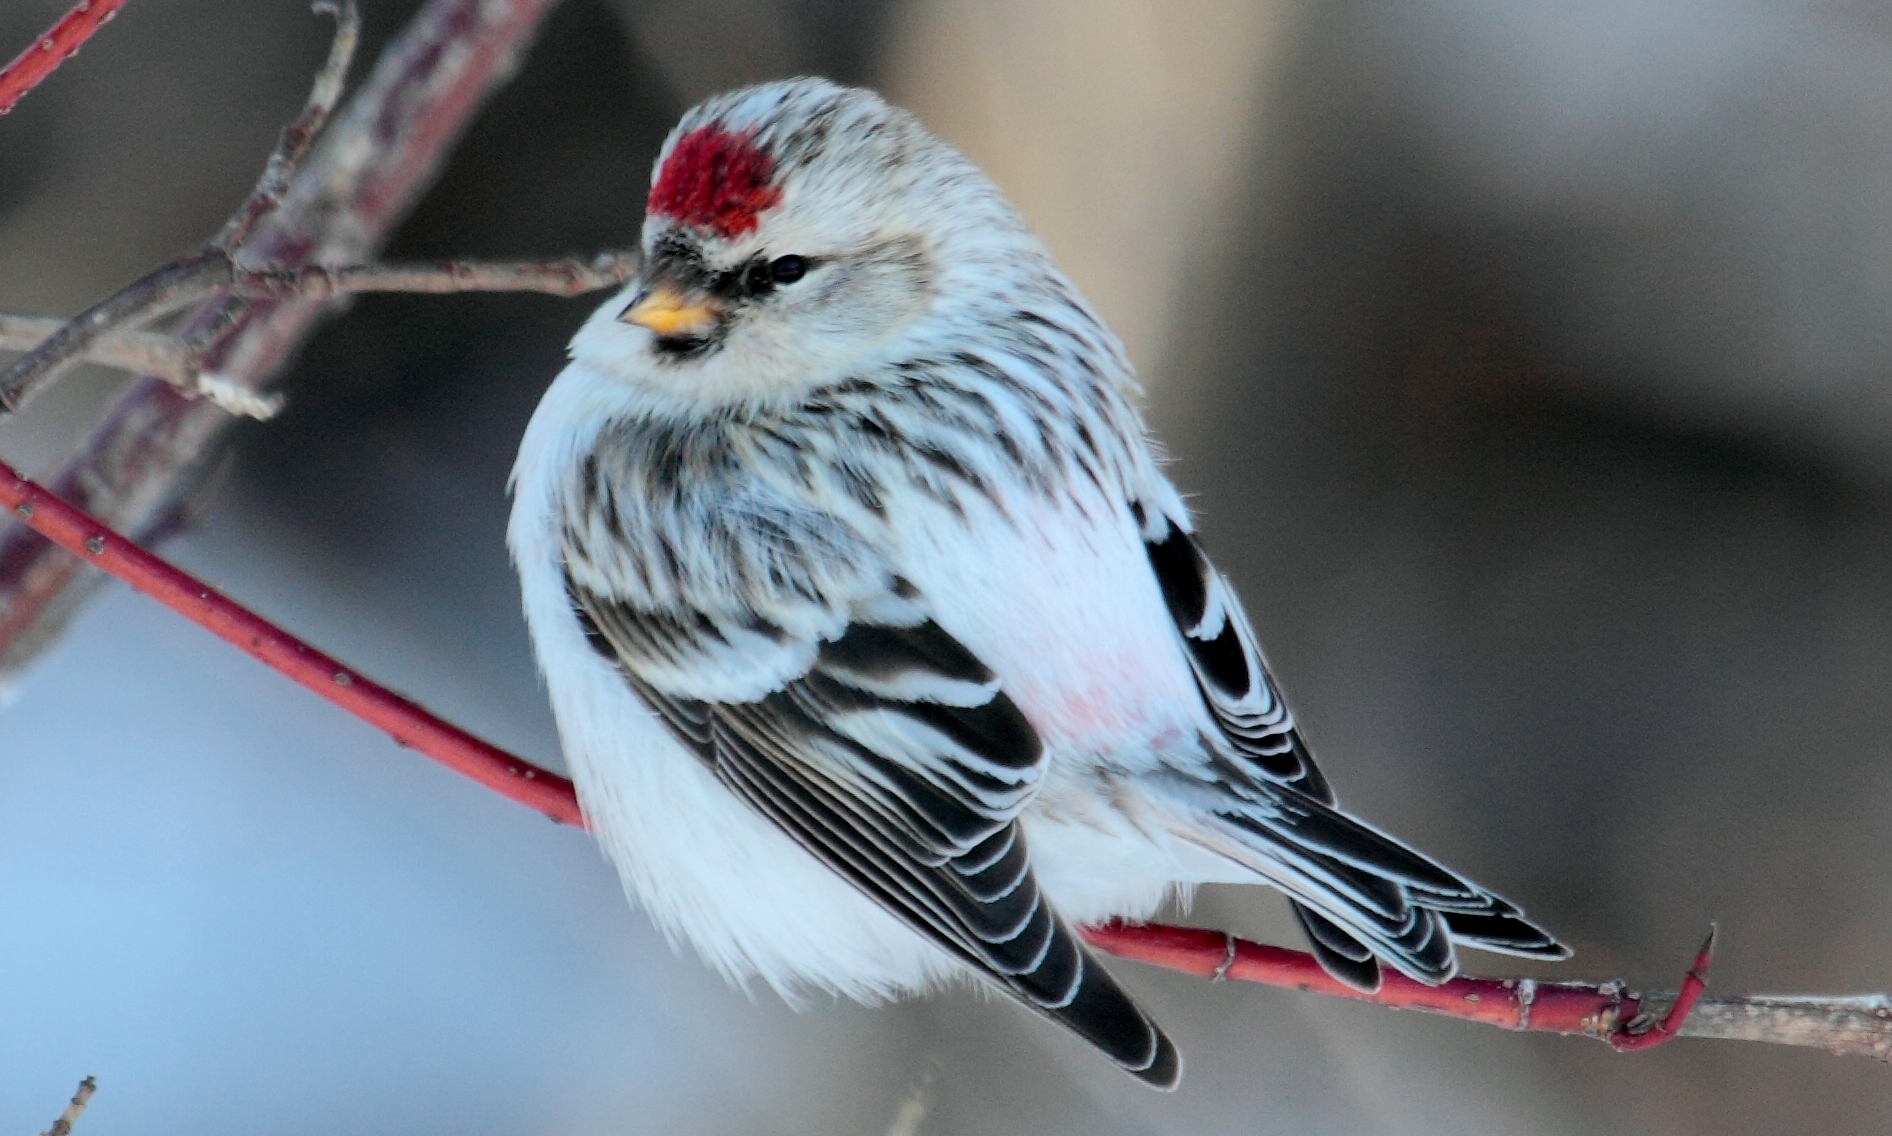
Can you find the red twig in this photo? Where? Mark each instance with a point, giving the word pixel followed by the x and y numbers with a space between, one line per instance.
pixel 45 54
pixel 1605 1011
pixel 1670 1026
pixel 408 723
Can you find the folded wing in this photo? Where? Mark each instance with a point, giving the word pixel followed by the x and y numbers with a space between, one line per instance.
pixel 1360 894
pixel 893 757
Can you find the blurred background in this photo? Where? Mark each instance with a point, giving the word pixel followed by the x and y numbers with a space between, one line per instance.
pixel 1530 365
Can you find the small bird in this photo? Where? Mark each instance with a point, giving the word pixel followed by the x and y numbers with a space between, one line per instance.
pixel 883 652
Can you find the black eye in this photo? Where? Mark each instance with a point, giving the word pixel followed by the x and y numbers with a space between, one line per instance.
pixel 787 269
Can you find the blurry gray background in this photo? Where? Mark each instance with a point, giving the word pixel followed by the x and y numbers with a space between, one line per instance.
pixel 1530 365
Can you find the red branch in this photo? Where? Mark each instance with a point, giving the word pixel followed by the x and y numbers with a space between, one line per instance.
pixel 44 55
pixel 1607 1011
pixel 407 723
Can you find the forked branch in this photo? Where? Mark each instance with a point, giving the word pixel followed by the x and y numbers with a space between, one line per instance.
pixel 140 352
pixel 226 266
pixel 363 174
pixel 1607 1011
pixel 299 135
pixel 192 278
pixel 108 333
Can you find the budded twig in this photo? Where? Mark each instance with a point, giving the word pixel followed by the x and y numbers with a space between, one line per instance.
pixel 298 136
pixel 1609 1012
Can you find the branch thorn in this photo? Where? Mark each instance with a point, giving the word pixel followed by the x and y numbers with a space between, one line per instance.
pixel 1638 1033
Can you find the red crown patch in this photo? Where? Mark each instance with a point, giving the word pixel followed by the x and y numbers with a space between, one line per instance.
pixel 716 180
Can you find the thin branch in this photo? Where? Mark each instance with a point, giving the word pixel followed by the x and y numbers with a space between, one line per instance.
pixel 74 1110
pixel 298 136
pixel 1607 1011
pixel 141 352
pixel 569 276
pixel 191 278
pixel 1858 1026
pixel 407 723
pixel 59 44
pixel 103 334
pixel 181 282
pixel 362 176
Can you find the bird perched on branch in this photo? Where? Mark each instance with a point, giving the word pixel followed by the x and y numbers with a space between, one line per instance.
pixel 882 650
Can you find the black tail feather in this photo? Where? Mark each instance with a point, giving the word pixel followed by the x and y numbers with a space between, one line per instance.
pixel 1364 898
pixel 1340 954
pixel 1506 932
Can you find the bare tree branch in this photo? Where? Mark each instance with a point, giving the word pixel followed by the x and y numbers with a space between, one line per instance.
pixel 61 42
pixel 569 276
pixel 1858 1026
pixel 362 175
pixel 1608 1011
pixel 299 135
pixel 191 278
pixel 409 724
pixel 141 352
pixel 75 1109
pixel 181 282
pixel 106 337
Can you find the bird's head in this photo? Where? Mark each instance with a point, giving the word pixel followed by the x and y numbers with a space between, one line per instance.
pixel 797 234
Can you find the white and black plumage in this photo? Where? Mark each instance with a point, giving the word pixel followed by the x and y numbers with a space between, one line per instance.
pixel 881 648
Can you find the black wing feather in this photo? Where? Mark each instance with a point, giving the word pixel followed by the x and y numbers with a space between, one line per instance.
pixel 1235 684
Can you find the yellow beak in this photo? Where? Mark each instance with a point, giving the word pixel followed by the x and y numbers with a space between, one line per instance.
pixel 670 313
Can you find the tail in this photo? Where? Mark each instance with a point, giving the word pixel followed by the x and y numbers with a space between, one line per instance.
pixel 1362 896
